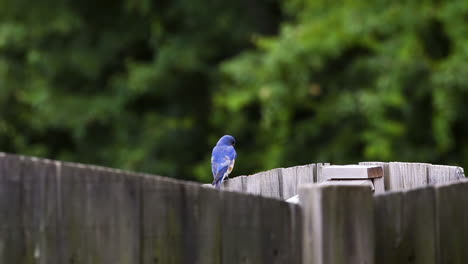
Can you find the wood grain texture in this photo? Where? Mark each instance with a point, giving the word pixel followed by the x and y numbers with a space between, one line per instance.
pixel 40 210
pixel 241 213
pixel 236 184
pixel 162 221
pixel 100 215
pixel 210 227
pixel 338 224
pixel 278 183
pixel 293 177
pixel 404 175
pixel 279 233
pixel 452 222
pixel 379 185
pixel 11 232
pixel 405 226
pixel 443 174
pixel 318 172
pixel 266 184
pixel 305 174
pixel 386 175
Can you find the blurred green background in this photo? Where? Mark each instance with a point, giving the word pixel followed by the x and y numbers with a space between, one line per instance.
pixel 151 85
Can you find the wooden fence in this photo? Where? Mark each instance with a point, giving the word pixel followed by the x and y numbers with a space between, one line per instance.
pixel 58 212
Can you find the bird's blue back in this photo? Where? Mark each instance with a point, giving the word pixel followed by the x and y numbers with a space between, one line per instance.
pixel 222 158
pixel 219 158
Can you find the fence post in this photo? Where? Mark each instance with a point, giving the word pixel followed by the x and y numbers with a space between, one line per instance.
pixel 338 224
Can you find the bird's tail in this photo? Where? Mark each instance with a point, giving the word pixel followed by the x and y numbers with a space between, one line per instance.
pixel 217 183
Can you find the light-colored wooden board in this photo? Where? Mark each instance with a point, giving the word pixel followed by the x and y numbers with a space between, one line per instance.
pixel 318 172
pixel 338 172
pixel 289 179
pixel 379 186
pixel 443 174
pixel 266 184
pixel 404 175
pixel 236 184
pixel 306 174
pixel 293 177
pixel 294 199
pixel 278 183
pixel 338 224
pixel 367 183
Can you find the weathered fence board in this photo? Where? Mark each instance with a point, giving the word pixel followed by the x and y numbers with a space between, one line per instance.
pixel 11 238
pixel 165 213
pixel 281 183
pixel 236 184
pixel 379 186
pixel 444 174
pixel 452 222
pixel 40 211
pixel 405 227
pixel 210 226
pixel 292 177
pixel 279 245
pixel 319 177
pixel 412 175
pixel 100 215
pixel 404 175
pixel 245 241
pixel 338 224
pixel 266 184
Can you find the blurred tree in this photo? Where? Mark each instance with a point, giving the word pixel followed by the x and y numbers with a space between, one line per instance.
pixel 150 86
pixel 125 84
pixel 354 80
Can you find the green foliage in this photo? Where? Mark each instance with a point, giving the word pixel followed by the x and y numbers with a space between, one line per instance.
pixel 150 86
pixel 125 84
pixel 355 80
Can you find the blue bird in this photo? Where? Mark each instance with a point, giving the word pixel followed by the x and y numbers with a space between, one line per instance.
pixel 223 158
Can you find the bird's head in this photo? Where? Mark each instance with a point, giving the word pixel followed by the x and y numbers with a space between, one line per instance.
pixel 226 140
